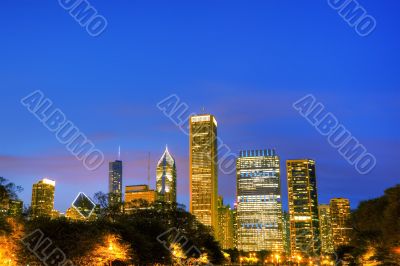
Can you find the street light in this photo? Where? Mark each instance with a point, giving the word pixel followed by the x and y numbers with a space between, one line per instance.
pixel 277 258
pixel 298 259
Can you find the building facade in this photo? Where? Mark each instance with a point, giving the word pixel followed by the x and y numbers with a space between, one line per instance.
pixel 204 170
pixel 286 233
pixel 4 206
pixel 325 226
pixel 43 198
pixel 259 207
pixel 15 207
pixel 340 217
pixel 235 226
pixel 303 208
pixel 115 182
pixel 166 178
pixel 225 227
pixel 11 207
pixel 138 194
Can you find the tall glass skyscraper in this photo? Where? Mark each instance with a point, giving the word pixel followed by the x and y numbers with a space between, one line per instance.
pixel 115 182
pixel 43 198
pixel 166 177
pixel 204 169
pixel 303 208
pixel 325 225
pixel 340 216
pixel 259 207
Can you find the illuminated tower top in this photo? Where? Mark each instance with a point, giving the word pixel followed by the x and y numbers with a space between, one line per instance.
pixel 166 177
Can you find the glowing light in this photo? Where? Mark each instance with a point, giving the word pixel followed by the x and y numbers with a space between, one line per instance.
pixel 49 182
pixel 109 250
pixel 396 250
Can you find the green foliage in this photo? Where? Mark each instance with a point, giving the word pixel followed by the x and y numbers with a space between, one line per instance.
pixel 376 225
pixel 5 228
pixel 8 190
pixel 140 229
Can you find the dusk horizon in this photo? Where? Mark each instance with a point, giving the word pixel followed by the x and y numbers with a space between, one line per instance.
pixel 70 174
pixel 259 102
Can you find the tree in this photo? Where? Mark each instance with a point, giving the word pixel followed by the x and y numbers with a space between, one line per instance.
pixel 109 249
pixel 8 190
pixel 107 211
pixel 376 226
pixel 9 242
pixel 234 254
pixel 127 238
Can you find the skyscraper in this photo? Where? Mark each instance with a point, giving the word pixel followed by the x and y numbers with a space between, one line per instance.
pixel 325 226
pixel 259 207
pixel 115 182
pixel 303 207
pixel 204 169
pixel 225 227
pixel 340 216
pixel 166 177
pixel 43 198
pixel 235 226
pixel 286 233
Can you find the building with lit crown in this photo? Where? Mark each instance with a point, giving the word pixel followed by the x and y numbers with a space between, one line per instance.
pixel 303 208
pixel 115 182
pixel 204 169
pixel 43 198
pixel 325 226
pixel 259 206
pixel 166 178
pixel 340 217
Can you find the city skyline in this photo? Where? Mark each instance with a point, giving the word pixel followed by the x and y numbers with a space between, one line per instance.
pixel 246 64
pixel 260 158
pixel 153 180
pixel 199 132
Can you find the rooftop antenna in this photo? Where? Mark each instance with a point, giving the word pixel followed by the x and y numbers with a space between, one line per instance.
pixel 148 170
pixel 203 109
pixel 119 152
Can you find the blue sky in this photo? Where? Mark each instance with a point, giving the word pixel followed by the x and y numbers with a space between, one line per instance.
pixel 245 62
